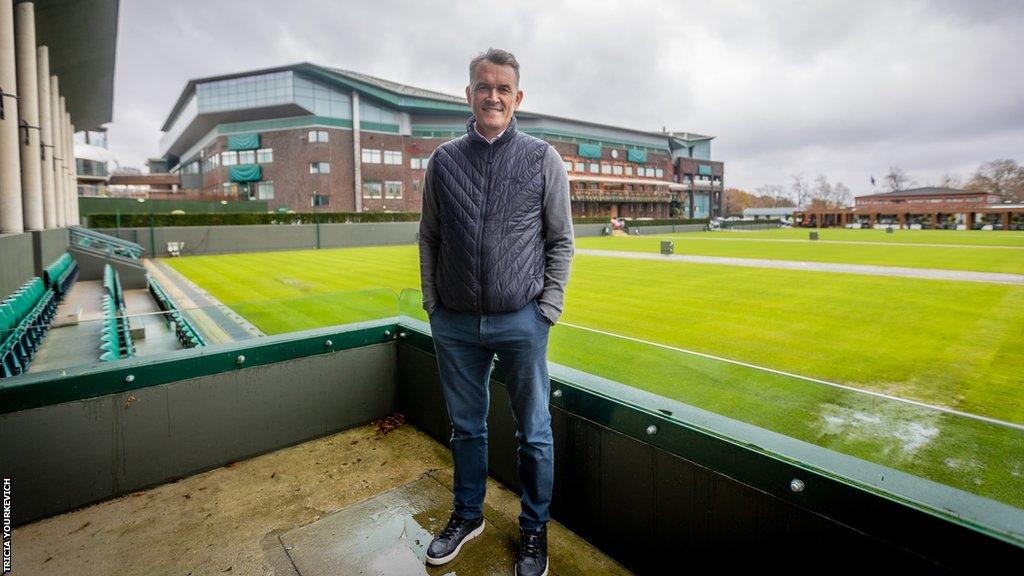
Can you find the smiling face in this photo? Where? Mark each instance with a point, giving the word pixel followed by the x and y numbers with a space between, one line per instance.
pixel 493 95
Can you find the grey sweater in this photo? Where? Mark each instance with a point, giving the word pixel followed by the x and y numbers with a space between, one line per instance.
pixel 558 237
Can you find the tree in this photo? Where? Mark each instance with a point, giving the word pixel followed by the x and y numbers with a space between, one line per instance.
pixel 1002 177
pixel 801 190
pixel 950 181
pixel 897 180
pixel 842 195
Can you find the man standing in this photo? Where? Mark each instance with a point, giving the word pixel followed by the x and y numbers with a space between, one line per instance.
pixel 496 245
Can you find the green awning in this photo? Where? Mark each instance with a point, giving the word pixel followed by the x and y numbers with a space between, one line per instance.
pixel 245 173
pixel 589 150
pixel 705 170
pixel 244 142
pixel 639 156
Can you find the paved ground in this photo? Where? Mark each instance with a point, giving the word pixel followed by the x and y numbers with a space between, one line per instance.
pixel 241 518
pixel 927 273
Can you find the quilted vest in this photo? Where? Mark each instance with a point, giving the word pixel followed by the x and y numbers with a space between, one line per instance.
pixel 490 199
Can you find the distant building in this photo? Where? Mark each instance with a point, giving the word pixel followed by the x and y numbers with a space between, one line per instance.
pixel 930 207
pixel 778 213
pixel 305 136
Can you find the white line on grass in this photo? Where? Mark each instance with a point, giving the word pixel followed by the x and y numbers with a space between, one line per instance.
pixel 806 378
pixel 685 236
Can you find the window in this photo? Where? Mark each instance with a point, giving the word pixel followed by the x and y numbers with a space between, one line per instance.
pixel 319 200
pixel 371 189
pixel 606 168
pixel 265 190
pixel 319 168
pixel 595 167
pixel 629 170
pixel 371 156
pixel 265 155
pixel 617 169
pixel 318 136
pixel 581 167
pixel 246 156
pixel 649 171
pixel 659 173
pixel 227 189
pixel 393 189
pixel 568 165
pixel 229 158
pixel 393 157
pixel 419 162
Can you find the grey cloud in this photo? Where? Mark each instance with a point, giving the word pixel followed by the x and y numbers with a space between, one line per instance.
pixel 844 89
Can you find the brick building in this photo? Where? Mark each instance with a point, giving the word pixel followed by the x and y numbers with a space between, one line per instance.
pixel 928 208
pixel 308 137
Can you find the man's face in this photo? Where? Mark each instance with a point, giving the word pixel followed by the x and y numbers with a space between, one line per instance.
pixel 493 96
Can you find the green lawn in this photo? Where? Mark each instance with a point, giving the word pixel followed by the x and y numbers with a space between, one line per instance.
pixel 955 344
pixel 915 249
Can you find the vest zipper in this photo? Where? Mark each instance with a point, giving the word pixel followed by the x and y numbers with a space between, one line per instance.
pixel 480 230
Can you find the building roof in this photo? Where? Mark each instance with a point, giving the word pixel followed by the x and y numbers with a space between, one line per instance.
pixel 403 96
pixel 926 191
pixel 403 89
pixel 82 38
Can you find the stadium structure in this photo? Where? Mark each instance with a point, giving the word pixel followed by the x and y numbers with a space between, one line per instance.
pixel 306 136
pixel 323 450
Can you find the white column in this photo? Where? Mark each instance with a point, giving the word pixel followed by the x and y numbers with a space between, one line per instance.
pixel 63 115
pixel 58 152
pixel 11 218
pixel 28 114
pixel 73 173
pixel 46 138
pixel 357 151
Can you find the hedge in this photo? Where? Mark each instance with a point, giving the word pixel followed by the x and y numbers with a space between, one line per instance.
pixel 242 218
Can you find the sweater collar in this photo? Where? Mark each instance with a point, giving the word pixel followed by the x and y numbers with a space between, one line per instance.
pixel 475 136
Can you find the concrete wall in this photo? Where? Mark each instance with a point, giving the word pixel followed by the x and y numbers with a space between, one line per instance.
pixel 271 237
pixel 92 263
pixel 49 245
pixel 64 456
pixel 17 262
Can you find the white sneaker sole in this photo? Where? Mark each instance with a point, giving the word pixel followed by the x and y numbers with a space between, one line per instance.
pixel 448 558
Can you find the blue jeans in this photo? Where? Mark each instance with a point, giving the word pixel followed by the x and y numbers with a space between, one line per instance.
pixel 465 346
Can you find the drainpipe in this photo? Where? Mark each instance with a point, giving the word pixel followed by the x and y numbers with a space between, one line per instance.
pixel 357 152
pixel 11 217
pixel 58 152
pixel 46 138
pixel 28 114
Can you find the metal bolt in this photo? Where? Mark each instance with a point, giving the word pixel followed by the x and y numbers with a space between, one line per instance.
pixel 328 343
pixel 652 430
pixel 240 360
pixel 796 485
pixel 387 333
pixel 557 393
pixel 402 334
pixel 129 378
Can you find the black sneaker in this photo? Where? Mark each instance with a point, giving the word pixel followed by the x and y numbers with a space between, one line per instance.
pixel 533 552
pixel 447 544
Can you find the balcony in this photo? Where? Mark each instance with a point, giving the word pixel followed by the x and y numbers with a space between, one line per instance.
pixel 286 454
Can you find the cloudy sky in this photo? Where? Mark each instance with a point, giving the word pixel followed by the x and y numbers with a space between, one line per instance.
pixel 844 89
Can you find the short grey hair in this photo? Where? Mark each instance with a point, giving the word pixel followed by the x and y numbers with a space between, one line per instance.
pixel 494 56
